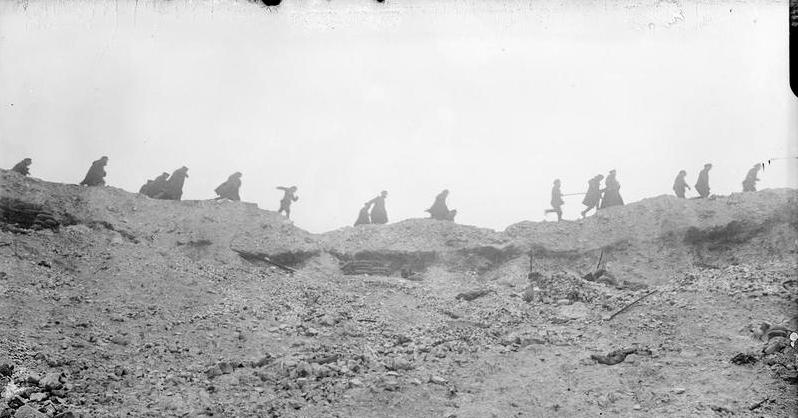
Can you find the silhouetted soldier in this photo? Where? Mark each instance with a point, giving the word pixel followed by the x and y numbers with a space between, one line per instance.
pixel 229 189
pixel 173 189
pixel 288 197
pixel 749 184
pixel 153 187
pixel 556 201
pixel 440 210
pixel 702 185
pixel 593 195
pixel 96 174
pixel 612 192
pixel 378 213
pixel 22 167
pixel 679 184
pixel 363 215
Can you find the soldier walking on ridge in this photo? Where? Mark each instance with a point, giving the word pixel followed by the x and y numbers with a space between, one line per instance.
pixel 96 174
pixel 679 184
pixel 556 201
pixel 288 197
pixel 593 195
pixel 702 185
pixel 22 167
pixel 378 213
pixel 749 184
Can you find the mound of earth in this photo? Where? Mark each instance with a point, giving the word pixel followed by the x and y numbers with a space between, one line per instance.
pixel 114 304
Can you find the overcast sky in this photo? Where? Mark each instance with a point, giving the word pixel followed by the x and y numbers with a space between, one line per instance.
pixel 490 99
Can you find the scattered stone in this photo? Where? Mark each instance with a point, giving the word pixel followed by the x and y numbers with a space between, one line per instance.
pixel 743 358
pixel 6 369
pixel 120 371
pixel 473 294
pixel 120 340
pixel 52 381
pixel 26 411
pixel 328 320
pixel 398 363
pixel 16 402
pixel 530 294
pixel 438 380
pixel 38 396
pixel 577 310
pixel 389 383
pixel 267 359
pixel 225 367
pixel 213 372
pixel 775 345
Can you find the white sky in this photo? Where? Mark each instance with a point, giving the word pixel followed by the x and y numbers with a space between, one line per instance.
pixel 344 98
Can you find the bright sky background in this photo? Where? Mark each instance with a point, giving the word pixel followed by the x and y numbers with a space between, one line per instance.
pixel 344 98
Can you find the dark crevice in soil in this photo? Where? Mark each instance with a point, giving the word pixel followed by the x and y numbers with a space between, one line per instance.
pixel 293 259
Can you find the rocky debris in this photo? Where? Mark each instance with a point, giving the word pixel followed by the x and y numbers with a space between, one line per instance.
pixel 30 396
pixel 548 288
pixel 25 411
pixel 473 294
pixel 437 380
pixel 52 381
pixel 618 356
pixel 195 323
pixel 6 369
pixel 744 358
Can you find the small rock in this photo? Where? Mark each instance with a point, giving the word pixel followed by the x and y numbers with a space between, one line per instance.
pixel 16 402
pixel 26 411
pixel 213 372
pixel 267 359
pixel 229 379
pixel 6 369
pixel 52 381
pixel 225 367
pixel 637 407
pixel 776 345
pixel 328 321
pixel 311 332
pixel 355 382
pixel 389 383
pixel 398 364
pixel 678 391
pixel 437 380
pixel 32 379
pixel 120 340
pixel 38 396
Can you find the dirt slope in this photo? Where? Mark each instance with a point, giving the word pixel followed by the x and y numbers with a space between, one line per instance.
pixel 137 307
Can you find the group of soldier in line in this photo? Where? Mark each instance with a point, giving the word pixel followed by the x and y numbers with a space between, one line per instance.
pixel 170 187
pixel 598 198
